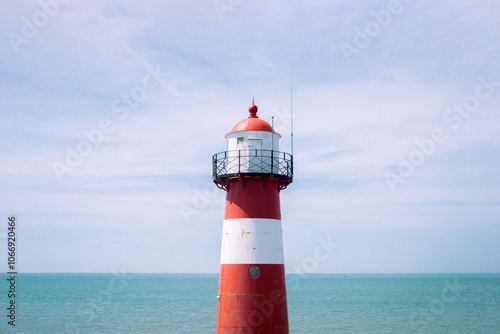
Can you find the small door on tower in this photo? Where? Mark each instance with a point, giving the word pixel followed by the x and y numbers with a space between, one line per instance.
pixel 254 144
pixel 254 155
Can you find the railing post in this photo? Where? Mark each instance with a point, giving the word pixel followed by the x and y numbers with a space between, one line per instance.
pixel 239 161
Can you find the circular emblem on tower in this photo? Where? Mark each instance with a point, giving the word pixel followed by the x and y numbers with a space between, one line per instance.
pixel 254 271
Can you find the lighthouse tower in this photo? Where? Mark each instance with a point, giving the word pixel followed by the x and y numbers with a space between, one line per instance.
pixel 252 293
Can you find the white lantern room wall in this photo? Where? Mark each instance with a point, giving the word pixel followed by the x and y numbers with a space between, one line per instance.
pixel 251 152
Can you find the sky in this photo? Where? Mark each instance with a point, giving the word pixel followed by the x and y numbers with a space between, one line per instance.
pixel 112 110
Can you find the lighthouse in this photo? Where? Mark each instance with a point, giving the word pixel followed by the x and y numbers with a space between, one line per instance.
pixel 251 295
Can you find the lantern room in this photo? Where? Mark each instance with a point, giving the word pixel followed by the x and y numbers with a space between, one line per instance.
pixel 252 149
pixel 252 133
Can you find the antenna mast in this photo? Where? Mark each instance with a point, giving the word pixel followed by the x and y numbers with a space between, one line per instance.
pixel 272 136
pixel 291 119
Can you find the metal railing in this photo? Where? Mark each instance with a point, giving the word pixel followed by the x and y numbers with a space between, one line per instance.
pixel 252 162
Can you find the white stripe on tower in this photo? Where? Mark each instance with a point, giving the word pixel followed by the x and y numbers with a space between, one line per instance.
pixel 252 241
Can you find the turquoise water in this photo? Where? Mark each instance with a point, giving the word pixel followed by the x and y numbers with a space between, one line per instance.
pixel 320 303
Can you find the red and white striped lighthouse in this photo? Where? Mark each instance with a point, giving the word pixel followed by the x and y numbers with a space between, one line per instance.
pixel 252 293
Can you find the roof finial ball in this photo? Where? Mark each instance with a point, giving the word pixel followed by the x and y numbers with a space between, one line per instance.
pixel 253 110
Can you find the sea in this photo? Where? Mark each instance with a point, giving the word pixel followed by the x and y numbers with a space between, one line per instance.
pixel 186 303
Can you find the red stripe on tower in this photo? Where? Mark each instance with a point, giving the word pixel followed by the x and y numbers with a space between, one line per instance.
pixel 252 291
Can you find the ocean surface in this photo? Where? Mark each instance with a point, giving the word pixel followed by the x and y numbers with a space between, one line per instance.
pixel 317 303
